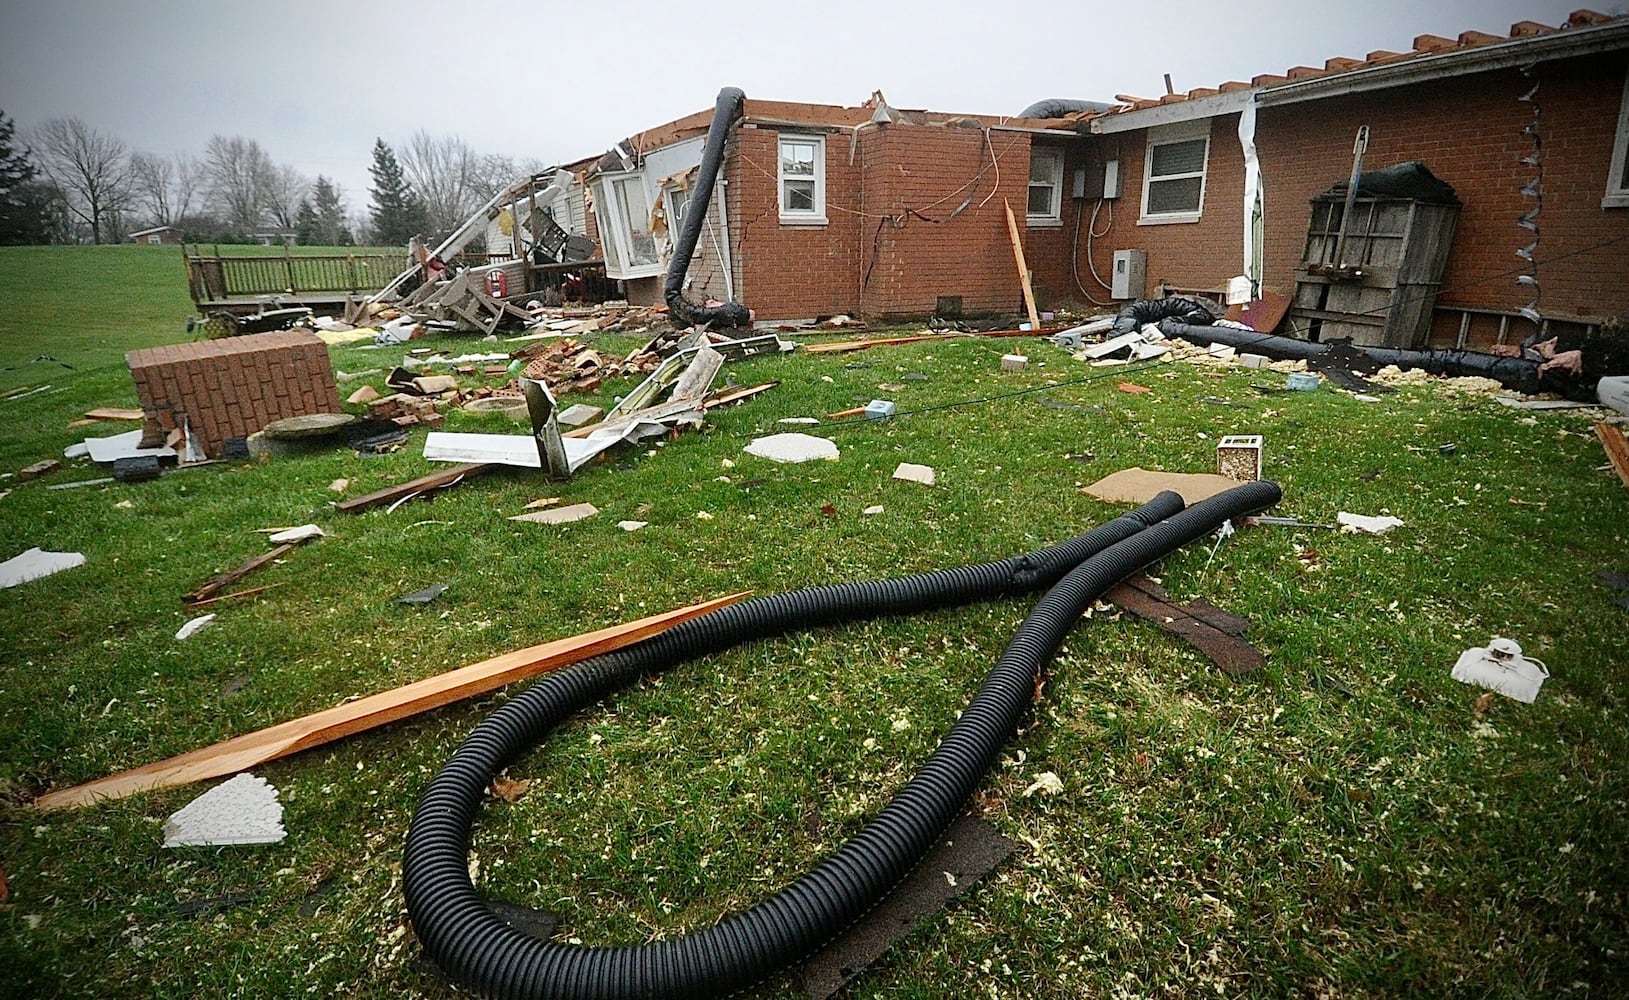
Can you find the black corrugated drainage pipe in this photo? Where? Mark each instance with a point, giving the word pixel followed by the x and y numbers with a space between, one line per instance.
pixel 1057 107
pixel 680 310
pixel 460 932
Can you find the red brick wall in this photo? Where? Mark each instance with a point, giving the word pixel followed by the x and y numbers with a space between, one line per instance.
pixel 1189 255
pixel 1047 250
pixel 873 258
pixel 232 387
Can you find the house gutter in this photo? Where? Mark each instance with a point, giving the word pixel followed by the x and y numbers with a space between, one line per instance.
pixel 1568 44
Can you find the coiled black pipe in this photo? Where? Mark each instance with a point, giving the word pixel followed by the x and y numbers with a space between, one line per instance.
pixel 680 310
pixel 476 948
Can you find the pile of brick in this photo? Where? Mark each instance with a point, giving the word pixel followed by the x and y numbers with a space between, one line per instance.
pixel 232 387
pixel 406 410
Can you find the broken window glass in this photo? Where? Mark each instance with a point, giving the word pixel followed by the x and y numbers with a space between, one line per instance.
pixel 636 215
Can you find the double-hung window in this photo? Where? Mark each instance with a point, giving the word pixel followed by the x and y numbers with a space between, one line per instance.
pixel 802 177
pixel 1045 186
pixel 1174 172
pixel 1617 180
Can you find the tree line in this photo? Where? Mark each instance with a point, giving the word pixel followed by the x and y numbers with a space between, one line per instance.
pixel 66 182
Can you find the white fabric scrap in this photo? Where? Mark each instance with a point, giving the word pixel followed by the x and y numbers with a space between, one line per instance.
pixel 793 448
pixel 1353 523
pixel 35 563
pixel 194 626
pixel 243 810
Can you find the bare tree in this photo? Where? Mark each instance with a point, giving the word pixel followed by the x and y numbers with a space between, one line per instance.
pixel 238 172
pixel 163 186
pixel 90 168
pixel 445 173
pixel 285 188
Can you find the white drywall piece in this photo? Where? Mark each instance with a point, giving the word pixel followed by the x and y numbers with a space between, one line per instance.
pixel 793 448
pixel 35 563
pixel 243 810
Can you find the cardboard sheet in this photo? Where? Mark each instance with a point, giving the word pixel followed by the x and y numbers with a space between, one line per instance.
pixel 1137 485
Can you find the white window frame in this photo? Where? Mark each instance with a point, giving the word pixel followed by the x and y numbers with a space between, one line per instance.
pixel 801 217
pixel 1054 214
pixel 1162 135
pixel 1617 185
pixel 614 232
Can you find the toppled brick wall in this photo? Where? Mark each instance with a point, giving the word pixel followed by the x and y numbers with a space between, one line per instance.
pixel 231 387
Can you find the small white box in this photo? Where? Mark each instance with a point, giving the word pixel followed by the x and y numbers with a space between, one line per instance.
pixel 1238 456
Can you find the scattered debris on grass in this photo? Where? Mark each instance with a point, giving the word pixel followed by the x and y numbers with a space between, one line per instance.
pixel 1501 667
pixel 214 586
pixel 910 473
pixel 195 626
pixel 1353 523
pixel 632 525
pixel 793 448
pixel 244 810
pixel 38 469
pixel 1214 632
pixel 36 563
pixel 559 515
pixel 1138 485
pixel 424 596
pixel 302 533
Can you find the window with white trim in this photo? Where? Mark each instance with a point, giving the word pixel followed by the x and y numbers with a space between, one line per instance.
pixel 623 210
pixel 1045 186
pixel 1617 181
pixel 1174 172
pixel 802 179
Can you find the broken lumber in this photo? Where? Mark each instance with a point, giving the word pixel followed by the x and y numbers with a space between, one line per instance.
pixel 252 749
pixel 214 586
pixel 1023 268
pixel 390 494
pixel 235 595
pixel 725 398
pixel 1617 449
pixel 113 413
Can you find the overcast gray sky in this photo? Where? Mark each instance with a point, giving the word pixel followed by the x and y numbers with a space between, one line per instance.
pixel 315 81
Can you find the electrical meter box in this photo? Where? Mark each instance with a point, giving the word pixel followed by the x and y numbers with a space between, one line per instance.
pixel 1130 277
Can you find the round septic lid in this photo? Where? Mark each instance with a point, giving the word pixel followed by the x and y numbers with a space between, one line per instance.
pixel 510 406
pixel 307 425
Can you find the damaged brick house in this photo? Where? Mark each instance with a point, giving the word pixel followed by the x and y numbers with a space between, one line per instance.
pixel 823 210
pixel 1535 120
pixel 878 212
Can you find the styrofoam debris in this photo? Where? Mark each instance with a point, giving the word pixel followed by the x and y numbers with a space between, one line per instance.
pixel 559 515
pixel 797 420
pixel 35 563
pixel 793 448
pixel 1353 523
pixel 915 473
pixel 243 810
pixel 873 509
pixel 632 525
pixel 1047 783
pixel 195 626
pixel 302 533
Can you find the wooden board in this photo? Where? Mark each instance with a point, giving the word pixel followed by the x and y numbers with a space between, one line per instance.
pixel 1023 268
pixel 214 586
pixel 252 749
pixel 1617 449
pixel 1262 315
pixel 390 494
pixel 113 413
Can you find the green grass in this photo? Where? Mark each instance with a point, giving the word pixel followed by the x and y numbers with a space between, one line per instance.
pixel 1261 836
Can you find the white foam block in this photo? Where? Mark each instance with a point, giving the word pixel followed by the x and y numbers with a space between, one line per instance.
pixel 243 810
pixel 35 563
pixel 793 448
pixel 915 473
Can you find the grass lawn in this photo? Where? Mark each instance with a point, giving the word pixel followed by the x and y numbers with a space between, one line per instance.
pixel 1341 823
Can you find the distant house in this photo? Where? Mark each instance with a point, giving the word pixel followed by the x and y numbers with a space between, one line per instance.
pixel 157 235
pixel 1530 129
pixel 822 210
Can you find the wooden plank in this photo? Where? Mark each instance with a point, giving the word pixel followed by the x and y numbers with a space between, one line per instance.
pixel 112 413
pixel 1617 449
pixel 737 395
pixel 232 596
pixel 1023 268
pixel 390 494
pixel 252 749
pixel 212 587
